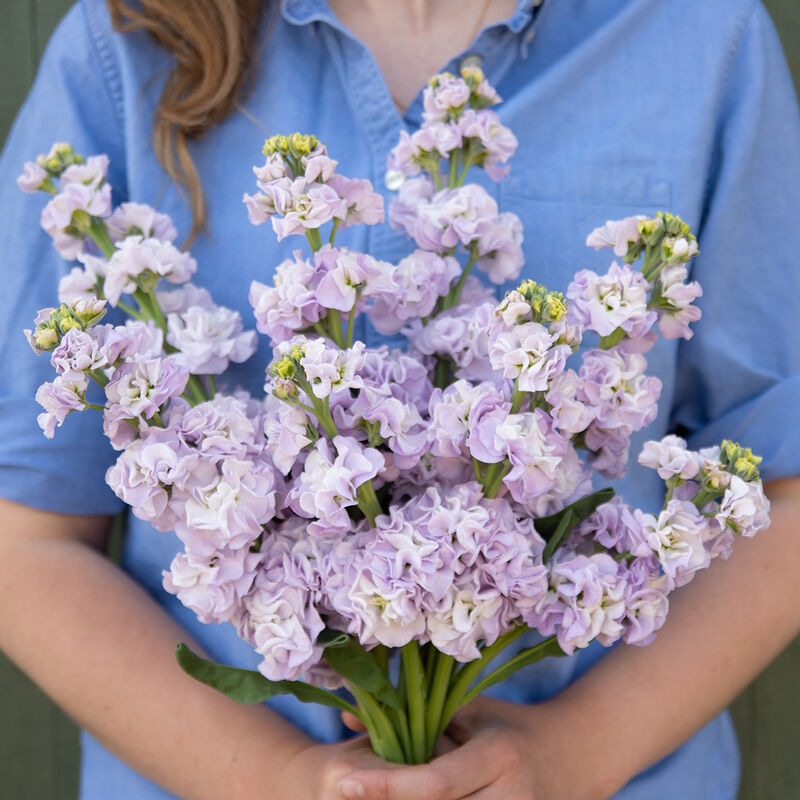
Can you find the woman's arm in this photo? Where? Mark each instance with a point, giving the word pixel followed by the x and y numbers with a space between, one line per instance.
pixel 638 704
pixel 104 651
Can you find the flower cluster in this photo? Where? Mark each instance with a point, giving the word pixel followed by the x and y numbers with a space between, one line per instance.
pixel 440 497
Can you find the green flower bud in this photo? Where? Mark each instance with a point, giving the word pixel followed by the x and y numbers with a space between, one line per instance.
pixel 652 230
pixel 546 306
pixel 283 369
pixel 45 338
pixel 740 460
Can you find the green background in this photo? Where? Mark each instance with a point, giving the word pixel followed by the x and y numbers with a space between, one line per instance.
pixel 38 744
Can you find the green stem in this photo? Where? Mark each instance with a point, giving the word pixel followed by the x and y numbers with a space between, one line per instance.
pixel 314 240
pixel 368 502
pixel 436 699
pixel 493 478
pixel 452 177
pixel 196 390
pixel 467 162
pixel 415 683
pixel 437 179
pixel 334 229
pixel 441 373
pixel 212 386
pixel 381 733
pixel 93 406
pixel 98 377
pixel 613 339
pixel 130 311
pixel 351 323
pixel 517 397
pixel 452 298
pixel 469 672
pixel 99 235
pixel 335 326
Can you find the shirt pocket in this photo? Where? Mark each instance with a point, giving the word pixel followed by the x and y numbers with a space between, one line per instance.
pixel 560 207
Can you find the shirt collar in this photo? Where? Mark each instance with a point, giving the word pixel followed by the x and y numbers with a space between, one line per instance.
pixel 303 12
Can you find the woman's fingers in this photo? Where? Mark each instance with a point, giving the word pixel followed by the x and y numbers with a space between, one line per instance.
pixel 353 722
pixel 453 776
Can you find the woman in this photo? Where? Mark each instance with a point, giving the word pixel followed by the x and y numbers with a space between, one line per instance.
pixel 621 107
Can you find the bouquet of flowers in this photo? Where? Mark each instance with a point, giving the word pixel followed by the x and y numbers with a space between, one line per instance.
pixel 381 520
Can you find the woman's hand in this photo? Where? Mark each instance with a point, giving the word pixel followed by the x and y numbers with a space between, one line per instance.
pixel 504 752
pixel 321 771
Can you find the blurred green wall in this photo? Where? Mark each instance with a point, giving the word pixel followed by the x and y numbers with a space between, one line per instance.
pixel 38 744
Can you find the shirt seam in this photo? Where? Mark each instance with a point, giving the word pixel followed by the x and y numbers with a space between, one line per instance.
pixel 111 76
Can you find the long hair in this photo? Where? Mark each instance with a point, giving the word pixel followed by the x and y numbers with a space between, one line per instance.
pixel 213 42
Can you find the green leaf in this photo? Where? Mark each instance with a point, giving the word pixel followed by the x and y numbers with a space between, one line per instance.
pixel 586 506
pixel 549 647
pixel 565 525
pixel 249 686
pixel 361 669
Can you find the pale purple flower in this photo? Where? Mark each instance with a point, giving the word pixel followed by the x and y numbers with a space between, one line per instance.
pixel 32 177
pixel 535 451
pixel 208 340
pixel 60 398
pixel 646 606
pixel 675 298
pixel 445 99
pixel 473 613
pixel 57 215
pixel 439 138
pixel 318 167
pixel 137 219
pixel 230 510
pixel 135 339
pixel 225 426
pixel 137 258
pixel 83 283
pixel 287 430
pixel 498 142
pixel 329 481
pixel 608 448
pixel 146 470
pixel 403 207
pixel 328 369
pixel 311 205
pixel 420 280
pixel 291 304
pixel 744 508
pixel 282 626
pixel 615 387
pixel 137 391
pixel 593 593
pixel 364 206
pixel 212 586
pixel 670 458
pixel 677 536
pixel 570 413
pixel 618 299
pixel 528 353
pixel 403 158
pixel 499 246
pixel 346 276
pixel 449 411
pixel 91 173
pixel 619 234
pixel 78 353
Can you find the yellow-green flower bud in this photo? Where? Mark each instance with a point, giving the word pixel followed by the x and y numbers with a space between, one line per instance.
pixel 297 352
pixel 740 460
pixel 300 144
pixel 472 74
pixel 652 230
pixel 45 338
pixel 284 369
pixel 546 306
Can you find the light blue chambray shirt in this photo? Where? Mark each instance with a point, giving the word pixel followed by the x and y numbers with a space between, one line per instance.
pixel 620 106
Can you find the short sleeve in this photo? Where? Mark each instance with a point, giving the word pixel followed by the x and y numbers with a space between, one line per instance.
pixel 74 99
pixel 739 377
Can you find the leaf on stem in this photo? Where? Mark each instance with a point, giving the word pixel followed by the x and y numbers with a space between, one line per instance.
pixel 580 510
pixel 360 668
pixel 249 686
